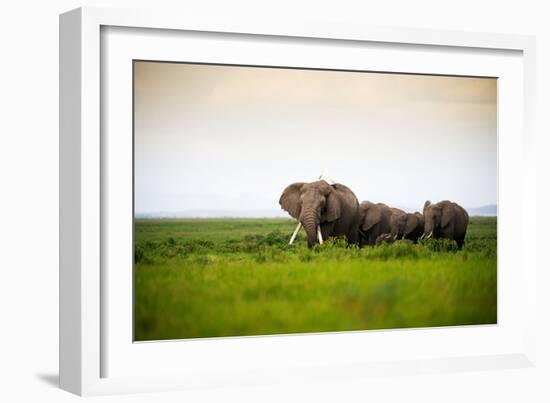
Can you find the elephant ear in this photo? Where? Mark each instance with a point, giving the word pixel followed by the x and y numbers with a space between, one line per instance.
pixel 372 217
pixel 332 207
pixel 412 223
pixel 290 199
pixel 447 215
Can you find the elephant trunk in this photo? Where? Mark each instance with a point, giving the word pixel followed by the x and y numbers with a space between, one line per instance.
pixel 428 229
pixel 310 221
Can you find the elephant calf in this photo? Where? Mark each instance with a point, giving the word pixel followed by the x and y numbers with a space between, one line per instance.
pixel 384 238
pixel 446 220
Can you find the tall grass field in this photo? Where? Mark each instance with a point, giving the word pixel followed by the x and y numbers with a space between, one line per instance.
pixel 234 277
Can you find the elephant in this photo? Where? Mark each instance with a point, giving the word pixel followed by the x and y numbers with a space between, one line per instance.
pixel 387 238
pixel 446 220
pixel 406 225
pixel 398 222
pixel 415 226
pixel 374 220
pixel 323 209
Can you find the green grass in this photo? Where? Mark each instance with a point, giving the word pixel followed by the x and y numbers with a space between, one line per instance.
pixel 234 277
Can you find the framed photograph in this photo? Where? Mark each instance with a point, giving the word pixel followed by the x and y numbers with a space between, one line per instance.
pixel 244 202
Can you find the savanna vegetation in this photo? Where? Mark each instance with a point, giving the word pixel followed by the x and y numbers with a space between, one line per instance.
pixel 234 277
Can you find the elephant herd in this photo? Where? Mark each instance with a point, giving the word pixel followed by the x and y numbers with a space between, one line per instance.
pixel 326 210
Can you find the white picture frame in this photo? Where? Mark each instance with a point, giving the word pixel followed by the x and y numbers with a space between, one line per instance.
pixel 89 340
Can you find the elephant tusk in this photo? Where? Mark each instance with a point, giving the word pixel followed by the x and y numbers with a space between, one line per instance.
pixel 293 237
pixel 395 237
pixel 422 237
pixel 430 235
pixel 319 234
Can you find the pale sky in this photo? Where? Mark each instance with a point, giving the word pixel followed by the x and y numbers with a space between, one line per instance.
pixel 232 138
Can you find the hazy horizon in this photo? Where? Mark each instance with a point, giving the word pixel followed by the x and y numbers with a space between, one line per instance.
pixel 231 138
pixel 487 210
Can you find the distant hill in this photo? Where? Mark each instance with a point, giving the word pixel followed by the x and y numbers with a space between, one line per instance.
pixel 489 210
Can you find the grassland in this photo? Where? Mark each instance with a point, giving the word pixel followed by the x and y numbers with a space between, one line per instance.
pixel 232 277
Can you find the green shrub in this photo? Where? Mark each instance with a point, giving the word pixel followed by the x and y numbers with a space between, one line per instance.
pixel 487 247
pixel 270 244
pixel 305 254
pixel 202 260
pixel 396 250
pixel 275 238
pixel 140 255
pixel 439 245
pixel 269 254
pixel 335 242
pixel 404 248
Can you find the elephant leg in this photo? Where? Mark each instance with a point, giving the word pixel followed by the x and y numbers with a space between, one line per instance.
pixel 450 232
pixel 363 239
pixel 327 229
pixel 367 238
pixel 353 236
pixel 372 235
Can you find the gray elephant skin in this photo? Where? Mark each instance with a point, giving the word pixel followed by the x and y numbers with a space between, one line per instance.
pixel 407 225
pixel 398 222
pixel 374 220
pixel 334 208
pixel 415 226
pixel 446 220
pixel 378 219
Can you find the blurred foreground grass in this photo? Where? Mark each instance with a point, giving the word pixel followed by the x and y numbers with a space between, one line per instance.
pixel 234 277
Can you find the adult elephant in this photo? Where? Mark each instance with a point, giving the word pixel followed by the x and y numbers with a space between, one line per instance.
pixel 324 210
pixel 374 220
pixel 446 220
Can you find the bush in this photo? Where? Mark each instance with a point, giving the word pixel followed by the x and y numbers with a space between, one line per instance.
pixel 255 243
pixel 404 248
pixel 275 238
pixel 203 260
pixel 273 247
pixel 140 255
pixel 488 247
pixel 439 245
pixel 305 254
pixel 335 242
pixel 336 248
pixel 396 250
pixel 269 254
